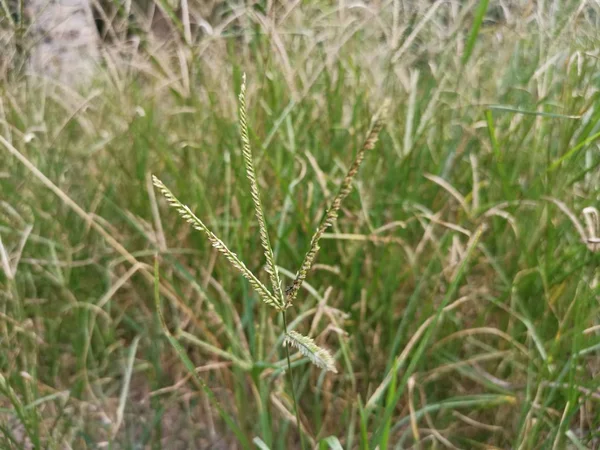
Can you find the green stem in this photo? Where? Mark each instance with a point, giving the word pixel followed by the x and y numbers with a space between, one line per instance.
pixel 291 381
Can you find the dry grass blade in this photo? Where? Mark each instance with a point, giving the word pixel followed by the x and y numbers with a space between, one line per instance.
pixel 332 213
pixel 264 235
pixel 189 217
pixel 320 357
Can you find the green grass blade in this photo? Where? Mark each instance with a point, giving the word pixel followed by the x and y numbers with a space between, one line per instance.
pixel 388 425
pixel 511 109
pixel 472 39
pixel 363 425
pixel 467 401
pixel 576 442
pixel 244 365
pixel 570 153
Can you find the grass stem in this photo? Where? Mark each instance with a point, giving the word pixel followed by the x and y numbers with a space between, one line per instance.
pixel 291 381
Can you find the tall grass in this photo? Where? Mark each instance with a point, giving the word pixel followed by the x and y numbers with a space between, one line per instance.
pixel 457 291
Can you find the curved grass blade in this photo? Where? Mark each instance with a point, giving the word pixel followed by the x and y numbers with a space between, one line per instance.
pixel 570 153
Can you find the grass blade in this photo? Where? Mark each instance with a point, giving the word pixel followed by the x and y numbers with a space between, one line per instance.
pixel 532 113
pixel 125 388
pixel 472 39
pixel 570 153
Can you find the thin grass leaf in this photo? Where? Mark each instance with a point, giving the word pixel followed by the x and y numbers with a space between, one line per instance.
pixel 166 8
pixel 570 153
pixel 262 225
pixel 125 389
pixel 363 425
pixel 305 345
pixel 472 39
pixel 189 365
pixel 189 217
pixel 505 108
pixel 390 396
pixel 332 213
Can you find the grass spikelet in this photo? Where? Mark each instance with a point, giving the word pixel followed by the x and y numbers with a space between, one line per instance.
pixel 264 235
pixel 185 212
pixel 332 213
pixel 318 356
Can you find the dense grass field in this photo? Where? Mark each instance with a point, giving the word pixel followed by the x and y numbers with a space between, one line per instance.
pixel 457 291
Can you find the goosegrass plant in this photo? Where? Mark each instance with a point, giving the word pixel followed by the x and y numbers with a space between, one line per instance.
pixel 275 297
pixel 444 334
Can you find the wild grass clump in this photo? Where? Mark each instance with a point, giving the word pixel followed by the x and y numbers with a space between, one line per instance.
pixel 275 297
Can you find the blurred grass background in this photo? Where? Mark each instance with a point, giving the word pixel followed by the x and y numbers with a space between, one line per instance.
pixel 494 123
